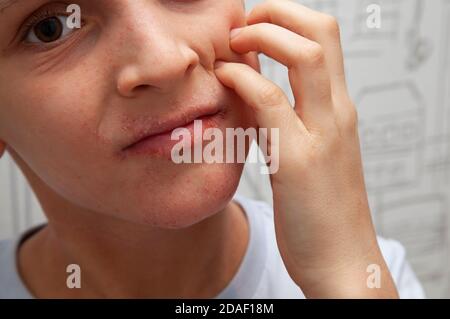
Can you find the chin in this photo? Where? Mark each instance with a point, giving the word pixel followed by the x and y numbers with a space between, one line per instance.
pixel 199 192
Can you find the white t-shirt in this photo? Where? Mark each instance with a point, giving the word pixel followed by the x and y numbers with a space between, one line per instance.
pixel 261 274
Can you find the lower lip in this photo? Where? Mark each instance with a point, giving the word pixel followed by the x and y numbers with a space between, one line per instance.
pixel 162 144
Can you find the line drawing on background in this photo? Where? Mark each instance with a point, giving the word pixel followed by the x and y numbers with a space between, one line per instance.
pixel 438 151
pixel 392 135
pixel 420 224
pixel 420 48
pixel 443 107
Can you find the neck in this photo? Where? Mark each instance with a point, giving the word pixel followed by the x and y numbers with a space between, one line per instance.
pixel 120 259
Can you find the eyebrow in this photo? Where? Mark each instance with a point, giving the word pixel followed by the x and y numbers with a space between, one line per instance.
pixel 5 4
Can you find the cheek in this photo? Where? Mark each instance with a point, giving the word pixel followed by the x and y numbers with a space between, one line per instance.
pixel 73 101
pixel 56 119
pixel 54 129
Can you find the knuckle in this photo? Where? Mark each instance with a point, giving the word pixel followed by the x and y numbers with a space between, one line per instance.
pixel 270 95
pixel 267 5
pixel 314 54
pixel 331 25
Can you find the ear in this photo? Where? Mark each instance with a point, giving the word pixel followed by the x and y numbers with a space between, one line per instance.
pixel 2 148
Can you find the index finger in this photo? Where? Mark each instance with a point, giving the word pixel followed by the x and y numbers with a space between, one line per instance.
pixel 310 24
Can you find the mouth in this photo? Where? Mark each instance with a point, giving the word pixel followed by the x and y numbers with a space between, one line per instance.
pixel 153 135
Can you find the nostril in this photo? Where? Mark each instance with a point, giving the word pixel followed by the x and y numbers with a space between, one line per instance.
pixel 190 68
pixel 141 87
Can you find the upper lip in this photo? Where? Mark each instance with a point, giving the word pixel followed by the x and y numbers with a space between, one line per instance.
pixel 150 126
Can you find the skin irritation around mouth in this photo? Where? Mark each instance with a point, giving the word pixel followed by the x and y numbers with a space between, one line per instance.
pixel 142 123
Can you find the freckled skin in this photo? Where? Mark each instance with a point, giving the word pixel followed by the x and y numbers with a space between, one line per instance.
pixel 67 125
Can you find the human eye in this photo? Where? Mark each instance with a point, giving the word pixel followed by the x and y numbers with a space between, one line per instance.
pixel 47 26
pixel 48 30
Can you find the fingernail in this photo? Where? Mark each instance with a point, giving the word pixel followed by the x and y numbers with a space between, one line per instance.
pixel 235 32
pixel 218 64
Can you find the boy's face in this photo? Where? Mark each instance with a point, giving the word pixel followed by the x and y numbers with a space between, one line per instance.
pixel 71 104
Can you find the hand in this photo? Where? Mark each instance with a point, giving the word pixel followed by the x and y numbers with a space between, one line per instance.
pixel 323 224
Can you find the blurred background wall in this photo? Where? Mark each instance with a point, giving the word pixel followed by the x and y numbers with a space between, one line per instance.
pixel 399 77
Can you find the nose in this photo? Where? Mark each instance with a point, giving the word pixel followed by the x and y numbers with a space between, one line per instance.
pixel 153 57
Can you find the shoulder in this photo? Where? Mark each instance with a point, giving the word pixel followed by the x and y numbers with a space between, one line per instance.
pixel 11 284
pixel 8 272
pixel 6 258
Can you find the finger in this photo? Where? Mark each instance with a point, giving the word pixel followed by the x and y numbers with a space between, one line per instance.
pixel 269 103
pixel 304 59
pixel 311 24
